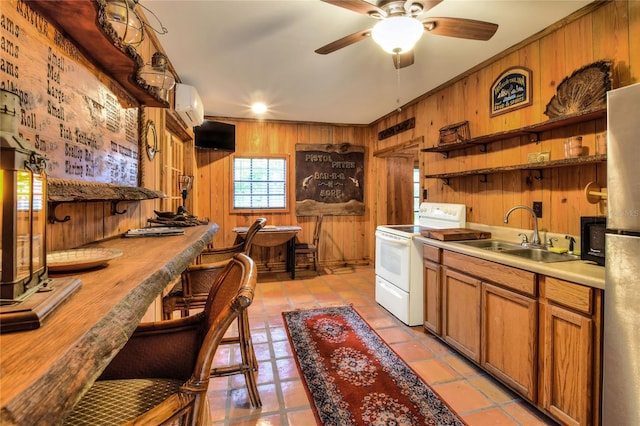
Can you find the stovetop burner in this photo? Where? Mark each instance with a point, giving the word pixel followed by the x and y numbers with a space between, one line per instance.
pixel 431 216
pixel 409 229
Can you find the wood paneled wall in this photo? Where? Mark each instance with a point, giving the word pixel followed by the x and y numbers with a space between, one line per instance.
pixel 609 30
pixel 343 238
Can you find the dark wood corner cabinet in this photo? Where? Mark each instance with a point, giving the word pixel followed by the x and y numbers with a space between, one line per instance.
pixel 84 21
pixel 533 133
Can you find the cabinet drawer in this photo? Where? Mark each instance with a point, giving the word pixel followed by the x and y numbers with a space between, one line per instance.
pixel 571 295
pixel 431 253
pixel 514 278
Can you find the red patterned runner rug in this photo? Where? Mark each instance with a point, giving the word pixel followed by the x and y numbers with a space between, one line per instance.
pixel 352 376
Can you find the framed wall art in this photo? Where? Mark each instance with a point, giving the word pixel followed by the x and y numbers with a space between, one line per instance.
pixel 511 91
pixel 329 179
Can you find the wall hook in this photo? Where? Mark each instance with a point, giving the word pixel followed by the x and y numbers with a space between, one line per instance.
pixel 114 208
pixel 52 214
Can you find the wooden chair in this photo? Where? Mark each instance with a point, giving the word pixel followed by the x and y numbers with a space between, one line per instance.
pixel 202 277
pixel 210 255
pixel 311 248
pixel 188 294
pixel 161 375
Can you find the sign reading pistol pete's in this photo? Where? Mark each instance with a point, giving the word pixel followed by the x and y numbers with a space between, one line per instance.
pixel 511 91
pixel 329 179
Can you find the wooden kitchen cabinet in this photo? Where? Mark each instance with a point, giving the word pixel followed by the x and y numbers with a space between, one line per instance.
pixel 539 335
pixel 461 312
pixel 570 363
pixel 507 312
pixel 432 289
pixel 509 338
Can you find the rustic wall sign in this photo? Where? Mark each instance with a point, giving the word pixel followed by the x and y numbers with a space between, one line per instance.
pixel 398 128
pixel 511 91
pixel 329 179
pixel 67 113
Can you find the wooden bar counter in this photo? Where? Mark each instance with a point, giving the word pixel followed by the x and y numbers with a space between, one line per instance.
pixel 44 372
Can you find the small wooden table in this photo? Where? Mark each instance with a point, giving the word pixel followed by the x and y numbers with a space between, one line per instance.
pixel 272 236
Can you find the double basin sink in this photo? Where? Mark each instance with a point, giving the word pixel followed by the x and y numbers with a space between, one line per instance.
pixel 513 249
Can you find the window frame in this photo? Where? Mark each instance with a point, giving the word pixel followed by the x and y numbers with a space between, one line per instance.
pixel 288 196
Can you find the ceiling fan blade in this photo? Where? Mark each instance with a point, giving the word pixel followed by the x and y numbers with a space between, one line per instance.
pixel 343 42
pixel 460 27
pixel 405 59
pixel 358 6
pixel 429 4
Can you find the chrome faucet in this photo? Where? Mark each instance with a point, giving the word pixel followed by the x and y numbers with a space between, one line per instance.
pixel 535 238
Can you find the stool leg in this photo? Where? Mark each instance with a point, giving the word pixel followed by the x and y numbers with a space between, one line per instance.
pixel 315 262
pixel 249 361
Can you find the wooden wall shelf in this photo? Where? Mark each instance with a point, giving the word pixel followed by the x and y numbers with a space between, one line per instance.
pixel 529 166
pixel 84 22
pixel 69 191
pixel 66 190
pixel 533 131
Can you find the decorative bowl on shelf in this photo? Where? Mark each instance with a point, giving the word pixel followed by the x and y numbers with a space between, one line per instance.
pixel 165 215
pixel 80 259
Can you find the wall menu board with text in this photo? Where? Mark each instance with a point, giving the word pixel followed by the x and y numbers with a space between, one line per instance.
pixel 67 113
pixel 329 179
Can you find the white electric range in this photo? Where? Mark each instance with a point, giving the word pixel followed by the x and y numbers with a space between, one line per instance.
pixel 399 270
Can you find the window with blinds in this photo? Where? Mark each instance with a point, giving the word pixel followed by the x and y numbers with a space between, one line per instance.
pixel 259 183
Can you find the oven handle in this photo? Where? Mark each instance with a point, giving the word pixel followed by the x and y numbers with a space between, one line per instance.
pixel 391 289
pixel 391 240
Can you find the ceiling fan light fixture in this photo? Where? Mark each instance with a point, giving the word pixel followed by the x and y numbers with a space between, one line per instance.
pixel 397 34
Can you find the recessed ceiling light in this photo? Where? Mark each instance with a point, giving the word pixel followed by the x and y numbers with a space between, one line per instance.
pixel 259 108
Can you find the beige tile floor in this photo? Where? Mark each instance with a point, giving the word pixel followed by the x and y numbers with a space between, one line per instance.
pixel 475 396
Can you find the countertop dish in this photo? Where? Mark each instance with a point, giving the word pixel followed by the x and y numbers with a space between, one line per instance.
pixel 80 259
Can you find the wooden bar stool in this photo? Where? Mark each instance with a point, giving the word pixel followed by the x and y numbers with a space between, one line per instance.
pixel 192 294
pixel 161 376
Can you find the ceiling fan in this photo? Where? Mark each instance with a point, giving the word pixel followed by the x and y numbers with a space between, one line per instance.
pixel 399 28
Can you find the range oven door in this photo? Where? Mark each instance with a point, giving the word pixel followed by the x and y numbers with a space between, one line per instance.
pixel 393 254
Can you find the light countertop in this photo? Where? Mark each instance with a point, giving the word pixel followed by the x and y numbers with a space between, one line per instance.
pixel 578 271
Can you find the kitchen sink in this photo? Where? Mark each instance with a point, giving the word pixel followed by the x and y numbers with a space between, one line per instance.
pixel 540 255
pixel 493 245
pixel 514 249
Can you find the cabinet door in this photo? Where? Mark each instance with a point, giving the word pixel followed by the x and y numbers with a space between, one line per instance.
pixel 567 356
pixel 509 338
pixel 461 313
pixel 432 299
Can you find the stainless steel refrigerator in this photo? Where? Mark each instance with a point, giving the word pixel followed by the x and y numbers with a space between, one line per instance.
pixel 621 358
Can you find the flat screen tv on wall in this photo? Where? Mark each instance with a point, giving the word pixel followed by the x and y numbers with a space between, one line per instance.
pixel 215 135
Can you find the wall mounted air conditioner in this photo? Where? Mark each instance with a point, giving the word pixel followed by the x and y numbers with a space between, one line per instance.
pixel 188 105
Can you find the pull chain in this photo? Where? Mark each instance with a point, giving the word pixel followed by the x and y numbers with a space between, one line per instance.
pixel 399 108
